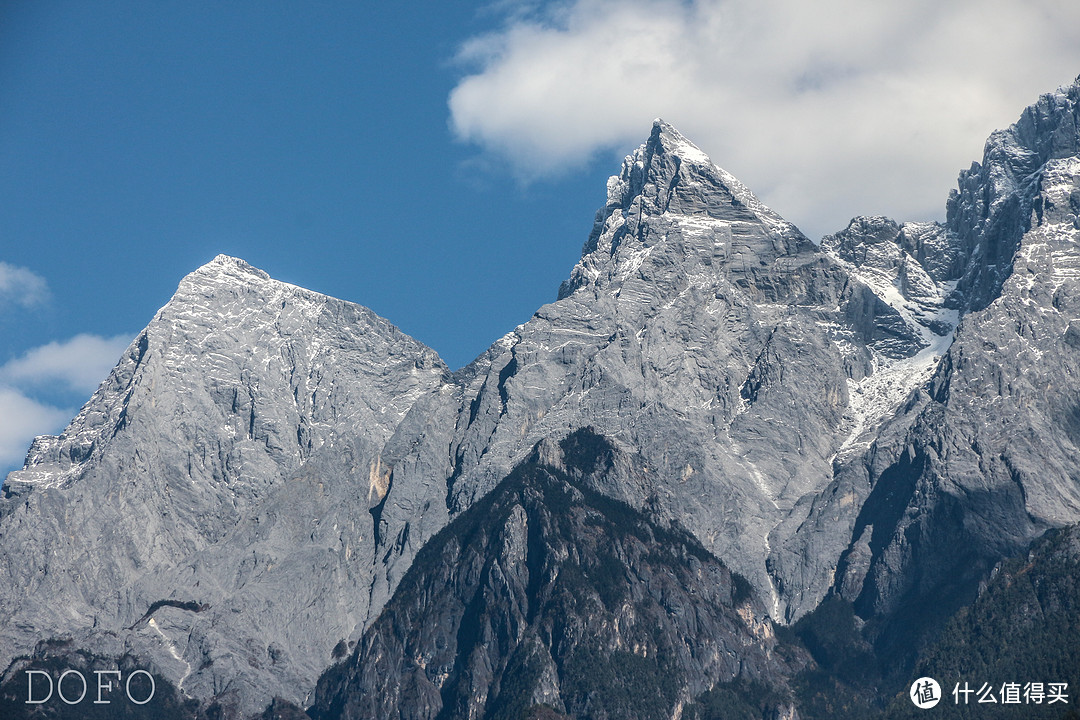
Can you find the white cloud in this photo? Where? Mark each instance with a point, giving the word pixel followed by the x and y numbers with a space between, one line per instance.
pixel 825 110
pixel 22 287
pixel 21 420
pixel 78 364
pixel 71 369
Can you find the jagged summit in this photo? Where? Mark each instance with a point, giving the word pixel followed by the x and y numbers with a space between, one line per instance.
pixel 228 323
pixel 696 318
pixel 228 269
pixel 666 140
pixel 243 422
pixel 997 200
pixel 223 263
pixel 669 190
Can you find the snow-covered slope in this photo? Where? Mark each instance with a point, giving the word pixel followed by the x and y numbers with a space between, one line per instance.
pixel 881 254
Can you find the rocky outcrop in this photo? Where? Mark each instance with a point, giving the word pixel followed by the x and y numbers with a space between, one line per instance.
pixel 999 200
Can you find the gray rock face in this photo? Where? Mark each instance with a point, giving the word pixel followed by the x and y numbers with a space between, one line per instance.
pixel 906 264
pixel 276 458
pixel 985 457
pixel 706 333
pixel 999 201
pixel 545 592
pixel 228 462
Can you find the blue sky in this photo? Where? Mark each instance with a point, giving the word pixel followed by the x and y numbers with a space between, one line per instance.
pixel 441 163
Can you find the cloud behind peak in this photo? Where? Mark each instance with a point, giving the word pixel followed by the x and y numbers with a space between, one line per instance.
pixel 825 110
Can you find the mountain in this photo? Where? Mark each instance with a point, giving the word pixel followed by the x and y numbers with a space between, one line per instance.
pixel 711 336
pixel 206 511
pixel 547 596
pixel 983 458
pixel 271 480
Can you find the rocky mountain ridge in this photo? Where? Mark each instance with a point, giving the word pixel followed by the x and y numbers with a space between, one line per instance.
pixel 983 459
pixel 251 390
pixel 278 458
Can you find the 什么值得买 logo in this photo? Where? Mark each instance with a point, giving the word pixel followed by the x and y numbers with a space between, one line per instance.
pixel 925 693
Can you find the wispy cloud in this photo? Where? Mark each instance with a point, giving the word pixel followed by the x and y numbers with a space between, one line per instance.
pixel 71 369
pixel 825 109
pixel 78 364
pixel 21 420
pixel 22 287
